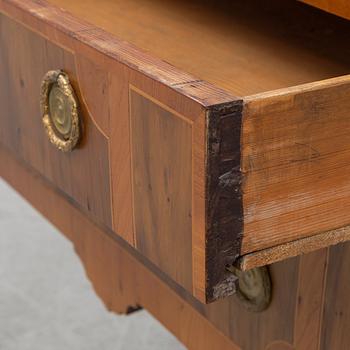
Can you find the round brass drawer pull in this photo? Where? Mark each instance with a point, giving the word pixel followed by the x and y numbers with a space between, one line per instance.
pixel 60 113
pixel 253 288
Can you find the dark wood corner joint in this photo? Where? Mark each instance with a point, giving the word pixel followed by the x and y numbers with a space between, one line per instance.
pixel 224 198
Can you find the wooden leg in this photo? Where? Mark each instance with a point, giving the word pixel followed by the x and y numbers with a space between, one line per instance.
pixel 103 282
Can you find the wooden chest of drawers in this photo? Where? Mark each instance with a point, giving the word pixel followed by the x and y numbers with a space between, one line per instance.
pixel 213 139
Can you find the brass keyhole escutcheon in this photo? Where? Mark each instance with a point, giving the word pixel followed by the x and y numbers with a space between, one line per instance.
pixel 253 288
pixel 60 112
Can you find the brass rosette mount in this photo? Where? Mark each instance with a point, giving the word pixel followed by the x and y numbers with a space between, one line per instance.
pixel 60 111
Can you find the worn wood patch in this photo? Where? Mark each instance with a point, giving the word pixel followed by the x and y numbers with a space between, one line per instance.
pixel 224 198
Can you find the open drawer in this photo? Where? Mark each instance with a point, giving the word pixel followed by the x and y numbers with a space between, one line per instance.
pixel 214 133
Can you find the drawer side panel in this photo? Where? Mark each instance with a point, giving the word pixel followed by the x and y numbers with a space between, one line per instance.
pixel 296 164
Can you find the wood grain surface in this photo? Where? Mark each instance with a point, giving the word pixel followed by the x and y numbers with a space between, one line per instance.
pixel 243 47
pixel 294 248
pixel 338 7
pixel 22 67
pixel 109 51
pixel 119 278
pixel 310 296
pixel 336 318
pixel 161 152
pixel 111 69
pixel 275 212
pixel 296 154
pixel 309 309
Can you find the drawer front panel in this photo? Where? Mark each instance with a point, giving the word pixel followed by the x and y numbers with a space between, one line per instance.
pixel 140 166
pixel 24 60
pixel 145 144
pixel 162 165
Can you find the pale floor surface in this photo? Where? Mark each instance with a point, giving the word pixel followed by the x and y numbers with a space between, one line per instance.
pixel 46 301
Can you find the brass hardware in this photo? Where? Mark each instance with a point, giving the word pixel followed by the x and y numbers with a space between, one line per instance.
pixel 253 288
pixel 59 108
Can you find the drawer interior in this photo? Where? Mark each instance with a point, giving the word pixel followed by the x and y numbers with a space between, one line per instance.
pixel 243 47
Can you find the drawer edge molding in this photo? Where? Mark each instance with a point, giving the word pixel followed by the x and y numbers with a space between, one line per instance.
pixel 295 248
pixel 64 28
